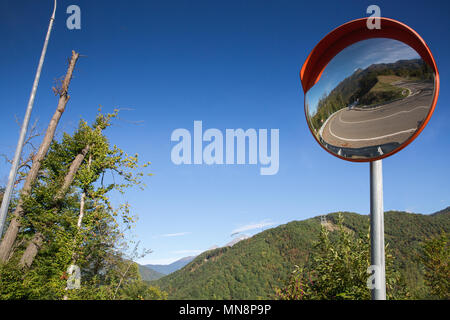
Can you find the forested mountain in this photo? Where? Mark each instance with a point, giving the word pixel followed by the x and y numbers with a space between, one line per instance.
pixel 254 267
pixel 443 211
pixel 148 274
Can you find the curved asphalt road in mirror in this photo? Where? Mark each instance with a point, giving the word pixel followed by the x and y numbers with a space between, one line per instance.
pixel 393 122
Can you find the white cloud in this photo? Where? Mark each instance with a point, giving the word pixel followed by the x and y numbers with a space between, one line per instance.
pixel 195 251
pixel 252 226
pixel 385 51
pixel 179 234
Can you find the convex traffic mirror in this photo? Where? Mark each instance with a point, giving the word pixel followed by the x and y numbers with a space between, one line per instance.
pixel 369 93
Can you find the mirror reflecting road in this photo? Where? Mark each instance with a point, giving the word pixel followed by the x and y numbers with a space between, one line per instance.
pixel 371 98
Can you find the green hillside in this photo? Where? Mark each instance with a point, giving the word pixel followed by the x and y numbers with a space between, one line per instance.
pixel 148 274
pixel 254 267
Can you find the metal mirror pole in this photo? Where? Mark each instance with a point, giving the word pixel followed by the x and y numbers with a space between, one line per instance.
pixel 23 131
pixel 377 229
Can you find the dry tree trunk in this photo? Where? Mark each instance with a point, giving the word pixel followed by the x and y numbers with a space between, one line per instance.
pixel 36 242
pixel 13 229
pixel 81 212
pixel 81 215
pixel 83 197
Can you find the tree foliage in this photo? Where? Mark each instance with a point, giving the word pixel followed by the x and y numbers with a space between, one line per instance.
pixel 435 258
pixel 337 269
pixel 79 226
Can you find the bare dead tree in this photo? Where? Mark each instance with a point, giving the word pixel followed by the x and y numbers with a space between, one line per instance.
pixel 14 226
pixel 26 162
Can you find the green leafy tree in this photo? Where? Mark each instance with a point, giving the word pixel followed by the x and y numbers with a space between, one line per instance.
pixel 435 258
pixel 136 289
pixel 337 269
pixel 69 219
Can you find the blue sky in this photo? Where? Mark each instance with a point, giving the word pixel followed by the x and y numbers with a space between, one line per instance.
pixel 232 64
pixel 359 55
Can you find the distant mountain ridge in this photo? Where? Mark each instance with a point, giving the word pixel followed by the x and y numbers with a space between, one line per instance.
pixel 254 267
pixel 166 269
pixel 236 240
pixel 148 274
pixel 151 272
pixel 443 211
